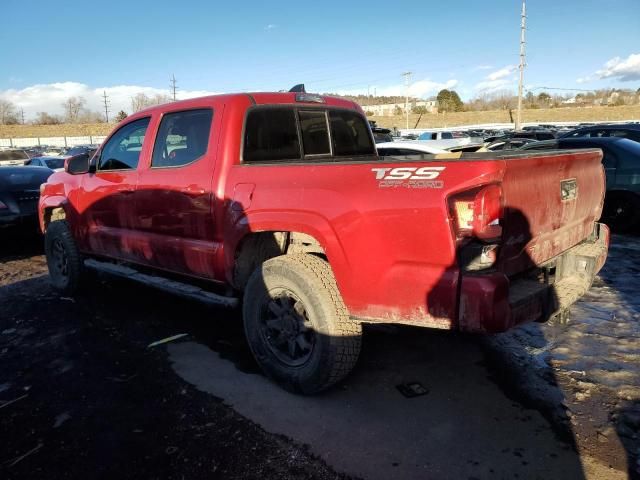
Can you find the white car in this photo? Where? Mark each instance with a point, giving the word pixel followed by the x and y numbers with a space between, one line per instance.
pixel 54 163
pixel 409 147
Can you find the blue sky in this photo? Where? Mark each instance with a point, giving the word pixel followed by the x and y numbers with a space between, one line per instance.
pixel 74 48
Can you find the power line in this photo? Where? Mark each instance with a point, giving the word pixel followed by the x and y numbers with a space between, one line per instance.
pixel 105 99
pixel 173 86
pixel 560 88
pixel 523 28
pixel 407 78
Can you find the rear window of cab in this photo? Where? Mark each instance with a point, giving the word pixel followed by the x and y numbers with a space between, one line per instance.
pixel 293 134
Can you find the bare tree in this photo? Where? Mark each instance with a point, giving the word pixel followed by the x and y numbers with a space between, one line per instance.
pixel 140 101
pixel 7 112
pixel 72 108
pixel 89 116
pixel 43 118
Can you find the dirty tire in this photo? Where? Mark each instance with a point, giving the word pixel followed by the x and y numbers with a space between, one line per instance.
pixel 621 211
pixel 306 284
pixel 65 263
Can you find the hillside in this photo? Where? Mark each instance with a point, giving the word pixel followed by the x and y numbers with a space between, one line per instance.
pixel 574 114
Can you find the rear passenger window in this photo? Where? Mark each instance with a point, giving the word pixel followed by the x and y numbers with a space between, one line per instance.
pixel 447 135
pixel 315 134
pixel 350 134
pixel 182 138
pixel 122 151
pixel 271 134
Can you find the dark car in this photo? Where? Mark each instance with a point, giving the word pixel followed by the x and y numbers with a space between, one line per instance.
pixel 81 149
pixel 627 130
pixel 380 134
pixel 19 194
pixel 533 135
pixel 509 144
pixel 621 160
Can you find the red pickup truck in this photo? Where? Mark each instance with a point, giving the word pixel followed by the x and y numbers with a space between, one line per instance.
pixel 280 201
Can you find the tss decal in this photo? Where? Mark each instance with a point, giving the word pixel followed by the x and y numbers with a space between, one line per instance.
pixel 409 177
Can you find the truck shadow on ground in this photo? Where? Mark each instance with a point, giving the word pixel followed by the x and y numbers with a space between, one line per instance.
pixel 17 243
pixel 620 281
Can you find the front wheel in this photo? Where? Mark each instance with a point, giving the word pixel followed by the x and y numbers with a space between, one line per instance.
pixel 65 263
pixel 297 325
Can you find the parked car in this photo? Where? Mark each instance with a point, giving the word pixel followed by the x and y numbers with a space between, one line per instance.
pixel 13 157
pixel 621 160
pixel 404 148
pixel 436 136
pixel 283 204
pixel 380 134
pixel 19 194
pixel 54 163
pixel 627 130
pixel 508 144
pixel 80 149
pixel 533 135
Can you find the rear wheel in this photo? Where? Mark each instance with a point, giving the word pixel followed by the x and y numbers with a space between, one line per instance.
pixel 65 263
pixel 621 211
pixel 297 325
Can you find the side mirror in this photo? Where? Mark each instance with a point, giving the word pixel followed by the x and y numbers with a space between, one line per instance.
pixel 77 165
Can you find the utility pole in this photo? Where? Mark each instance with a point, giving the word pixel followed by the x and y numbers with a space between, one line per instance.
pixel 173 86
pixel 523 27
pixel 105 99
pixel 22 115
pixel 407 77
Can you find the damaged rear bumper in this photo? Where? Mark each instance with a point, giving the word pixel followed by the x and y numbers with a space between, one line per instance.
pixel 494 303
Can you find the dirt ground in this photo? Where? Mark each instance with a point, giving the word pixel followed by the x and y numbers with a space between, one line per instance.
pixel 83 396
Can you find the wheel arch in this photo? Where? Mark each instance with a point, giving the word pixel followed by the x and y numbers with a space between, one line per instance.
pixel 256 239
pixel 52 209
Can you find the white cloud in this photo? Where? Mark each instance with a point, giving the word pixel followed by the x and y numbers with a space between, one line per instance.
pixel 501 79
pixel 271 26
pixel 502 73
pixel 419 89
pixel 625 70
pixel 483 67
pixel 584 79
pixel 49 97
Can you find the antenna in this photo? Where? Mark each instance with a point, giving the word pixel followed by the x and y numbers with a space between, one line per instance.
pixel 407 78
pixel 523 28
pixel 105 99
pixel 173 86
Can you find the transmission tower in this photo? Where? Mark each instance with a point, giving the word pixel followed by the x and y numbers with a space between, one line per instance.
pixel 523 28
pixel 407 79
pixel 105 99
pixel 173 86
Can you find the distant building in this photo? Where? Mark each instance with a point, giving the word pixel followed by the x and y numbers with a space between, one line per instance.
pixel 389 109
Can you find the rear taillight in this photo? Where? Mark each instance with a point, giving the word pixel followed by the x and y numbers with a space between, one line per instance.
pixel 475 216
pixel 477 213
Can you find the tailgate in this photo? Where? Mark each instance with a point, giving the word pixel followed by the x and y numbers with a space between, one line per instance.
pixel 551 203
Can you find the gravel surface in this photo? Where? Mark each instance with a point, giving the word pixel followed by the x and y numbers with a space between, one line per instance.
pixel 82 395
pixel 586 375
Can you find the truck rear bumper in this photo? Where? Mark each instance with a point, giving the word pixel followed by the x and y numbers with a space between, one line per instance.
pixel 494 303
